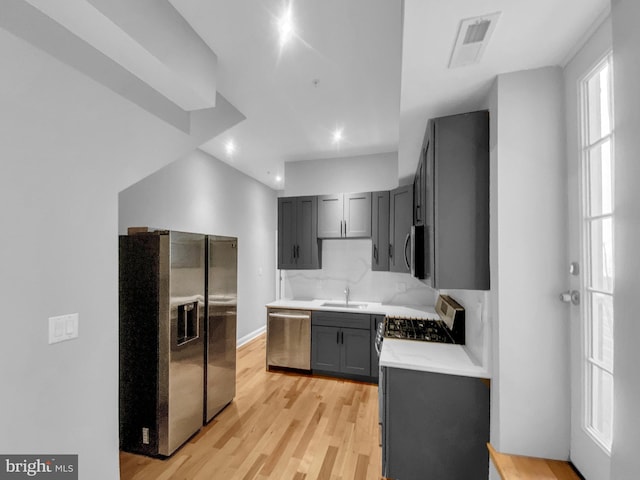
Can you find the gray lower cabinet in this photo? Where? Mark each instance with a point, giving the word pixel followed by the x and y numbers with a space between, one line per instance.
pixel 325 348
pixel 400 221
pixel 375 321
pixel 434 426
pixel 355 357
pixel 341 343
pixel 380 231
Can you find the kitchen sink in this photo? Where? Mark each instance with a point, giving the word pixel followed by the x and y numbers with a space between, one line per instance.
pixel 354 305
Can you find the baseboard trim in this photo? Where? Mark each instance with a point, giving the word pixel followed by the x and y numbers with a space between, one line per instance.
pixel 247 338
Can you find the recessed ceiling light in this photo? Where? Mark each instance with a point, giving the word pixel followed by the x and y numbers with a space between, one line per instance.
pixel 337 135
pixel 285 26
pixel 278 178
pixel 230 147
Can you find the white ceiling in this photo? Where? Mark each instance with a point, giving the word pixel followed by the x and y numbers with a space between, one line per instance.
pixel 352 47
pixel 529 34
pixel 378 81
pixel 377 69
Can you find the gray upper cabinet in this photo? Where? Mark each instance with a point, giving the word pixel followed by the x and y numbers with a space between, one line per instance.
pixel 297 233
pixel 419 187
pixel 330 216
pixel 400 221
pixel 344 215
pixel 456 193
pixel 380 231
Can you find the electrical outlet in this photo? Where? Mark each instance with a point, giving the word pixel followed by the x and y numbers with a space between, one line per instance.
pixel 63 327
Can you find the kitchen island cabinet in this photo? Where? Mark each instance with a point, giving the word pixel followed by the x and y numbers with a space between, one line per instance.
pixel 434 425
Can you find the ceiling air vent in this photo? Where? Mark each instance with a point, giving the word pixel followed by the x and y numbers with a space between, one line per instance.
pixel 473 36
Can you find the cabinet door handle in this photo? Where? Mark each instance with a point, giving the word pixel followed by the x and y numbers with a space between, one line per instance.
pixel 375 253
pixel 345 228
pixel 406 243
pixel 294 251
pixel 342 337
pixel 427 253
pixel 390 250
pixel 297 251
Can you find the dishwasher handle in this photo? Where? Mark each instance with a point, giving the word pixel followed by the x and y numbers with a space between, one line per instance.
pixel 290 315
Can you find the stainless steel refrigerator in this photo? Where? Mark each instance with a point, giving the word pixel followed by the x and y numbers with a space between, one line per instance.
pixel 222 281
pixel 170 348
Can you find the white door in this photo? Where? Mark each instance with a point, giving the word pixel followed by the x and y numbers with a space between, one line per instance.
pixel 591 277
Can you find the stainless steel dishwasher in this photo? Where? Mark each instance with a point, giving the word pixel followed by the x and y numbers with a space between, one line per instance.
pixel 289 338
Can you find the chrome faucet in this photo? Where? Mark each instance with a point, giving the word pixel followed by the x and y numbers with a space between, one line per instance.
pixel 346 295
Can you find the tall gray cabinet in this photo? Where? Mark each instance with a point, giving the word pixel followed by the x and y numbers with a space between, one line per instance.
pixel 453 206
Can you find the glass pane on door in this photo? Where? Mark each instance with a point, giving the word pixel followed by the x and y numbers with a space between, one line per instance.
pixel 602 330
pixel 601 252
pixel 602 406
pixel 598 108
pixel 600 180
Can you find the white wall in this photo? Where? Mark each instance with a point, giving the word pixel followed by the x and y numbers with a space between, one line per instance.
pixel 67 146
pixel 201 194
pixel 530 393
pixel 626 39
pixel 365 173
pixel 491 104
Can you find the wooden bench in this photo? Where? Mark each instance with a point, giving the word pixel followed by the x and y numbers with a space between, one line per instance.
pixel 518 467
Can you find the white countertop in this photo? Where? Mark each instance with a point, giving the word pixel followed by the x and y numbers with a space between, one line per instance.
pixel 430 357
pixel 409 354
pixel 418 312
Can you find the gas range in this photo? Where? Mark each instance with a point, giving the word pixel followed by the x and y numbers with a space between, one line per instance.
pixel 417 329
pixel 449 328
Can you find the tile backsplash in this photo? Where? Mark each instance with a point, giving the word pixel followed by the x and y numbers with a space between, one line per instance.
pixel 347 262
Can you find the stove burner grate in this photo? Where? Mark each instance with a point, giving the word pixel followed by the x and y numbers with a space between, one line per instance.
pixel 416 329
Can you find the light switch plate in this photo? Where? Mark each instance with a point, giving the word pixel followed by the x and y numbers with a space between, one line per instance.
pixel 63 327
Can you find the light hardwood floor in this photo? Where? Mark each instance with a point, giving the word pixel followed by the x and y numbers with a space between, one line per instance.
pixel 517 467
pixel 280 426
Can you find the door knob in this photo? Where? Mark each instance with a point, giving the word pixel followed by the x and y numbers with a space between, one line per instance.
pixel 570 296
